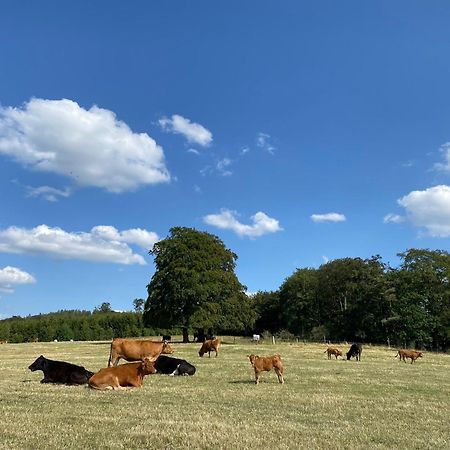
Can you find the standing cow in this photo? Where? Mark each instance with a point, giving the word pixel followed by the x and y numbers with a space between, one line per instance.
pixel 355 351
pixel 136 350
pixel 265 364
pixel 333 351
pixel 408 354
pixel 211 345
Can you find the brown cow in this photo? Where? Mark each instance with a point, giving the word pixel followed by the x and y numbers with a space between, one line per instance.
pixel 3 342
pixel 333 351
pixel 265 364
pixel 212 345
pixel 136 350
pixel 408 354
pixel 120 377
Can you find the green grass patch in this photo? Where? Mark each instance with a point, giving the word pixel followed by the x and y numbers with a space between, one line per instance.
pixel 377 403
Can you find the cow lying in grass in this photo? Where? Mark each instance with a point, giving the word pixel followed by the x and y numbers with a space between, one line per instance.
pixel 211 345
pixel 136 350
pixel 265 364
pixel 60 371
pixel 408 354
pixel 333 351
pixel 123 376
pixel 173 366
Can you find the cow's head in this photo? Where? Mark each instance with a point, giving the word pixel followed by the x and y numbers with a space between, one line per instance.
pixel 147 367
pixel 167 349
pixel 252 359
pixel 419 354
pixel 39 364
pixel 338 353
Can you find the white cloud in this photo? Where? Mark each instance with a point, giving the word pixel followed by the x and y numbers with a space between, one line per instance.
pixel 143 238
pixel 445 166
pixel 429 209
pixel 101 244
pixel 50 194
pixel 91 147
pixel 193 151
pixel 10 277
pixel 223 167
pixel 263 141
pixel 262 224
pixel 393 218
pixel 329 217
pixel 193 132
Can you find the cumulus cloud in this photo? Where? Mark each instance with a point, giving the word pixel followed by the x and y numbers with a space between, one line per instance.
pixel 329 217
pixel 261 223
pixel 429 209
pixel 393 218
pixel 102 244
pixel 92 147
pixel 142 238
pixel 10 277
pixel 193 132
pixel 263 142
pixel 49 193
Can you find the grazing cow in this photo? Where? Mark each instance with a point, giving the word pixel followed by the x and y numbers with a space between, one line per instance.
pixel 355 351
pixel 333 351
pixel 265 364
pixel 60 371
pixel 211 345
pixel 136 350
pixel 3 342
pixel 408 354
pixel 173 366
pixel 123 376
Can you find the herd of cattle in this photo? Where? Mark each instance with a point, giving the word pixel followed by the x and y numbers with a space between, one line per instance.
pixel 148 357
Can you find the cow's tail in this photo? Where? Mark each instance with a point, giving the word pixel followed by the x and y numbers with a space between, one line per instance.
pixel 398 353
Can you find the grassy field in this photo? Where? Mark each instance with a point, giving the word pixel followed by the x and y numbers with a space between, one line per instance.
pixel 377 403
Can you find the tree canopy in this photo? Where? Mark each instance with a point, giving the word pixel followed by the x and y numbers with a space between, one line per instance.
pixel 194 284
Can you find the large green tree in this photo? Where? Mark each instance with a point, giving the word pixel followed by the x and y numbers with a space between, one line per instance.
pixel 194 284
pixel 422 298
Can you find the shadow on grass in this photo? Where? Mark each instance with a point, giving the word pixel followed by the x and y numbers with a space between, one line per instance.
pixel 242 382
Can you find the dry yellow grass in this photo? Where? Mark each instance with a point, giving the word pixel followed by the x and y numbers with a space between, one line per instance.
pixel 377 403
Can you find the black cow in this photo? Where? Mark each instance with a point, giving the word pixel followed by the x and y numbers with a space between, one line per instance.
pixel 60 372
pixel 173 366
pixel 355 351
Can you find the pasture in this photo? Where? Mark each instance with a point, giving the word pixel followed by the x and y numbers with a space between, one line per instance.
pixel 378 403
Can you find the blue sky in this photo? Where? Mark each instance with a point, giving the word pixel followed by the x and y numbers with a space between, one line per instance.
pixel 297 132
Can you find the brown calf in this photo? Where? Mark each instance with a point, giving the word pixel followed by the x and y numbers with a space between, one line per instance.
pixel 120 377
pixel 265 364
pixel 212 345
pixel 333 351
pixel 408 354
pixel 136 350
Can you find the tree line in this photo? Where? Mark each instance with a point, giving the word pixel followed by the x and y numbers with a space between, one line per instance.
pixel 365 300
pixel 195 288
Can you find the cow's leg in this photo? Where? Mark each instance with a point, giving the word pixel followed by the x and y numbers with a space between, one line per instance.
pixel 257 376
pixel 217 353
pixel 279 375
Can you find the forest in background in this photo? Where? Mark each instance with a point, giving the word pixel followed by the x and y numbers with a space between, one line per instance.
pixel 348 299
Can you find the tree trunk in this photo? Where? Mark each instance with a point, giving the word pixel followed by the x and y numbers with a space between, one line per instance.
pixel 185 335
